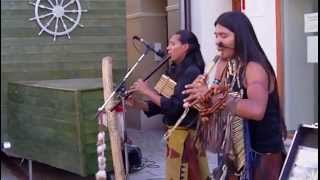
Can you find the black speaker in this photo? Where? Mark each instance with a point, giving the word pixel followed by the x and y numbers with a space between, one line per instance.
pixel 134 158
pixel 301 161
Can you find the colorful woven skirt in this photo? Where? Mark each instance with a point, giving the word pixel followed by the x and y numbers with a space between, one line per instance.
pixel 185 160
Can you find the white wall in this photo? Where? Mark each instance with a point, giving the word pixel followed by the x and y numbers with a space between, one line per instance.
pixel 262 14
pixel 204 13
pixel 300 77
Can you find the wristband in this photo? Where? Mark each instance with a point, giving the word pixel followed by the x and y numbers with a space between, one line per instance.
pixel 216 81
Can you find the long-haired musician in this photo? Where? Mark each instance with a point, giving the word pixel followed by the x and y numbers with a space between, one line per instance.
pixel 184 160
pixel 243 61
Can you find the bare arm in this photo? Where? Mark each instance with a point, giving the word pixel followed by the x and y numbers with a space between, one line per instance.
pixel 137 103
pixel 143 88
pixel 256 81
pixel 154 97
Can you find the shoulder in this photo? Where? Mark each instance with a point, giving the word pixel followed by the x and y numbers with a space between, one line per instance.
pixel 189 73
pixel 254 68
pixel 192 69
pixel 255 72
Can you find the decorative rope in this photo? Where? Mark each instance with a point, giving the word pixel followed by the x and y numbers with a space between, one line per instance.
pixel 224 172
pixel 215 119
pixel 170 131
pixel 186 110
pixel 101 147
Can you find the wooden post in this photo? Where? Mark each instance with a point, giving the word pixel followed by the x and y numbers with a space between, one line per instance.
pixel 114 134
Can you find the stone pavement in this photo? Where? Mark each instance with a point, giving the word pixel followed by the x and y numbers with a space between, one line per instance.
pixel 149 142
pixel 153 151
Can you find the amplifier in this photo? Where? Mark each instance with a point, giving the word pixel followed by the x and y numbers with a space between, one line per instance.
pixel 302 159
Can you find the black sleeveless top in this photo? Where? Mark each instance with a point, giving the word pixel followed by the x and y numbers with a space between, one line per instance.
pixel 266 136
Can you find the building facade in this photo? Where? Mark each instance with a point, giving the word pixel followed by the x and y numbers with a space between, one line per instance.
pixel 281 29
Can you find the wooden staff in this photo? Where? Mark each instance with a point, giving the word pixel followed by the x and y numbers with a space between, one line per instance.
pixel 114 135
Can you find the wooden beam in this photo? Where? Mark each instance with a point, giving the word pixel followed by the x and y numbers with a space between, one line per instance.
pixel 115 140
pixel 187 14
pixel 279 49
pixel 236 5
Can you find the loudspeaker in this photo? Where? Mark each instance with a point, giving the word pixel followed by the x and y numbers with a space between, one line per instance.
pixel 302 159
pixel 134 158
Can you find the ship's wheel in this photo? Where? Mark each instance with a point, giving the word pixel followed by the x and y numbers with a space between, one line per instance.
pixel 57 17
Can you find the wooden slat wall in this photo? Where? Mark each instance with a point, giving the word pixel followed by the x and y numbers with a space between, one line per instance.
pixel 27 56
pixel 43 126
pixel 55 126
pixel 89 130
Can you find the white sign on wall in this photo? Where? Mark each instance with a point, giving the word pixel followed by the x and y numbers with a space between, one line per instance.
pixel 311 22
pixel 312 49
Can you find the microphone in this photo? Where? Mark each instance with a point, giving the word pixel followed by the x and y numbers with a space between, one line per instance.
pixel 160 53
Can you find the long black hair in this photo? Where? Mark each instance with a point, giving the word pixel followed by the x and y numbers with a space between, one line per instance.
pixel 188 37
pixel 248 48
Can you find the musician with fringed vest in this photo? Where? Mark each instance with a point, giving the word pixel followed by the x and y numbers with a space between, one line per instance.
pixel 240 111
pixel 184 160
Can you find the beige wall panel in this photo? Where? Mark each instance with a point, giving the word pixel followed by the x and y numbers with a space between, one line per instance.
pixel 133 6
pixel 154 6
pixel 172 2
pixel 148 20
pixel 173 22
pixel 173 16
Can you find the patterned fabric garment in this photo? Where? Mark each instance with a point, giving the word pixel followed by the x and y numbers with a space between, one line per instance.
pixel 185 160
pixel 224 132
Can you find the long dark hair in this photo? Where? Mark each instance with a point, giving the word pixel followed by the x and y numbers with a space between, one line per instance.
pixel 188 37
pixel 248 48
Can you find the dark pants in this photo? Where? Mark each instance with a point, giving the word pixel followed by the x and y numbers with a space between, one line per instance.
pixel 265 167
pixel 268 166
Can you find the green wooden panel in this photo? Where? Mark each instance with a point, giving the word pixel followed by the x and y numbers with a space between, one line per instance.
pixel 105 5
pixel 119 58
pixel 13 23
pixel 27 56
pixel 14 41
pixel 54 156
pixel 92 14
pixel 55 117
pixel 83 48
pixel 86 73
pixel 95 31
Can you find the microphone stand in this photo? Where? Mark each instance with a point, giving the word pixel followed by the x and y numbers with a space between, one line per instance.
pixel 118 88
pixel 122 94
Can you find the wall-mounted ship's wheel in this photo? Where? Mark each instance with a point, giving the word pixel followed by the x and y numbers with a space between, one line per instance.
pixel 57 17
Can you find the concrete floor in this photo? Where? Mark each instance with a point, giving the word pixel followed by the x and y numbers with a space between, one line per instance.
pixel 153 150
pixel 149 142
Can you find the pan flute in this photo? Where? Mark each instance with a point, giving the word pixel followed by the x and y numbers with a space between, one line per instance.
pixel 165 86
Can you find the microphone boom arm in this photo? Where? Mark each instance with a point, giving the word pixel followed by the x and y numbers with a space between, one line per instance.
pixel 123 81
pixel 146 78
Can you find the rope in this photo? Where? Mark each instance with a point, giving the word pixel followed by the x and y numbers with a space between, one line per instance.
pixel 101 147
pixel 224 172
pixel 170 131
pixel 186 110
